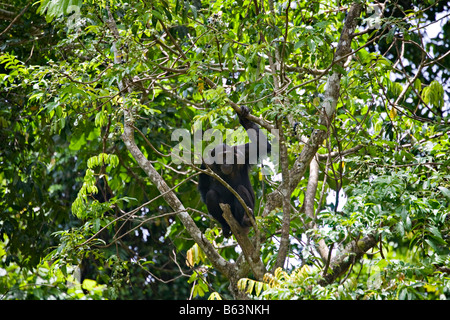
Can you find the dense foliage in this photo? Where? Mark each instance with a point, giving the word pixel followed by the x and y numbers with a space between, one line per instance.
pixel 93 206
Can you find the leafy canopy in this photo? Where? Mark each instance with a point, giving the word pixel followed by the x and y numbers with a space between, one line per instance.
pixel 82 218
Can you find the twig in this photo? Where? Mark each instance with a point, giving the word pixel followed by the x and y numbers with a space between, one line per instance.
pixel 15 19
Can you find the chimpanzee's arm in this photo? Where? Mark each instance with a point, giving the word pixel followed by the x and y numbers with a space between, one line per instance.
pixel 204 183
pixel 259 138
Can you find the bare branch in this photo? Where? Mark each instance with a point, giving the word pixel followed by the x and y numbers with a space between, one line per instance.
pixel 251 254
pixel 286 200
pixel 308 204
pixel 342 153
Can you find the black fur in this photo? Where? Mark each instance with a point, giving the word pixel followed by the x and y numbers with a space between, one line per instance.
pixel 236 175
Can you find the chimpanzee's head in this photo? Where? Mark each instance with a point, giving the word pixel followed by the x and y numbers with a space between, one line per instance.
pixel 224 159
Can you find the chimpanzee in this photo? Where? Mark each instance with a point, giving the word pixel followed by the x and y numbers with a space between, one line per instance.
pixel 232 164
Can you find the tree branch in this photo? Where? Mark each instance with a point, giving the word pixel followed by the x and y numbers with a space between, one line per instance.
pixel 328 108
pixel 251 254
pixel 342 153
pixel 15 19
pixel 308 204
pixel 219 263
pixel 286 201
pixel 352 253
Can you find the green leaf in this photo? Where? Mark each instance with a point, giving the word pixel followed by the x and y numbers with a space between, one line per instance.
pixel 437 236
pixel 215 296
pixel 445 192
pixel 434 94
pixel 225 48
pixel 400 228
pixel 76 144
pixel 157 14
pixel 56 8
pixel 432 244
pixel 299 44
pixel 89 284
pixel 251 284
pixel 311 45
pixel 418 85
pixel 390 35
pixel 258 287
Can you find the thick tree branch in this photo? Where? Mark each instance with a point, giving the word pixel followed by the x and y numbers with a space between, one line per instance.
pixel 286 200
pixel 308 205
pixel 251 254
pixel 352 253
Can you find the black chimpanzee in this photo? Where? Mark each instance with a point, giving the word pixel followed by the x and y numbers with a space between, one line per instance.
pixel 232 164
